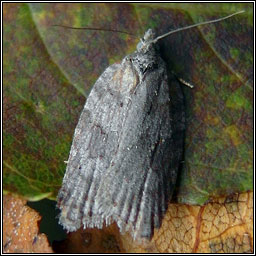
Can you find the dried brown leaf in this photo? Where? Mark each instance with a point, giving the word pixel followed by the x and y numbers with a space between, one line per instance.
pixel 224 225
pixel 20 228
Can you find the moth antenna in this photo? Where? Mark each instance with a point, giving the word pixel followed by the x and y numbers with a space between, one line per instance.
pixel 195 25
pixel 99 29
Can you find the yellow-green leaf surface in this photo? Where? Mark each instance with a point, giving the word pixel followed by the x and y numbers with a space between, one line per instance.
pixel 49 70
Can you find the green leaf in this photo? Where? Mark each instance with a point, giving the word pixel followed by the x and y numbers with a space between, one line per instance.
pixel 49 70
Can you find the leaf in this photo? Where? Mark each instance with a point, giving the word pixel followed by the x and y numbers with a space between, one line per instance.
pixel 49 70
pixel 222 226
pixel 20 229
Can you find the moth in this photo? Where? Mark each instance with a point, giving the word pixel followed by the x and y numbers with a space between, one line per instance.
pixel 126 148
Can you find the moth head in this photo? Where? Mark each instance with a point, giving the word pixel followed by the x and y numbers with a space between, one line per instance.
pixel 146 42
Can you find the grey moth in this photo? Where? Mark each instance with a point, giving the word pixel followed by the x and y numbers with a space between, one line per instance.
pixel 127 147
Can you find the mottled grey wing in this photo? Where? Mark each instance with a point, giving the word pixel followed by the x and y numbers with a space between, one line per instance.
pixel 95 142
pixel 121 162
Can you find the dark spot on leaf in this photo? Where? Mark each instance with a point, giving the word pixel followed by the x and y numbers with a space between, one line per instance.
pixel 86 239
pixel 7 244
pixel 35 240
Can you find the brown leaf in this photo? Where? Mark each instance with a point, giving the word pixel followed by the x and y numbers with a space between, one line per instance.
pixel 20 228
pixel 221 226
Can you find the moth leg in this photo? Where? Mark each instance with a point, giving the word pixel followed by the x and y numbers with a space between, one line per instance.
pixel 182 80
